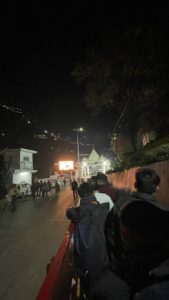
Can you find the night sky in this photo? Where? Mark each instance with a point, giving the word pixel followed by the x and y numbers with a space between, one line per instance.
pixel 40 46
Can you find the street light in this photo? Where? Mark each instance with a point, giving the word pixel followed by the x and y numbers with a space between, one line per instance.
pixel 77 130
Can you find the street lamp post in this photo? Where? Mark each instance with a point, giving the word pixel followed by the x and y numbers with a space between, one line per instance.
pixel 77 130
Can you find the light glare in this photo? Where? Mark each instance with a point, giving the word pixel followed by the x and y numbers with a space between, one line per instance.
pixel 66 165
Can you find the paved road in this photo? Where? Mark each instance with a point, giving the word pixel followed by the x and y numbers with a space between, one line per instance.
pixel 28 239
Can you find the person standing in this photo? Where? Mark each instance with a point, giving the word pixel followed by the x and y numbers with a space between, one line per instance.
pixel 3 201
pixel 44 190
pixel 75 188
pixel 90 253
pixel 13 193
pixel 137 240
pixel 49 187
pixel 57 187
pixel 40 188
pixel 105 187
pixel 64 182
pixel 33 190
pixel 101 197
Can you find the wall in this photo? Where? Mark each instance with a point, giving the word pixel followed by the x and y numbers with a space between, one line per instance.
pixel 22 176
pixel 26 164
pixel 126 179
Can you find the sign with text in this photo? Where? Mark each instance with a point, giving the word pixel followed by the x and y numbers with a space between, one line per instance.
pixel 66 165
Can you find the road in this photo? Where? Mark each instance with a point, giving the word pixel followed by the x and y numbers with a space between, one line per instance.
pixel 28 239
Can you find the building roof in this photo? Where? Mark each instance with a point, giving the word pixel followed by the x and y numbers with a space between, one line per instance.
pixel 94 156
pixel 18 149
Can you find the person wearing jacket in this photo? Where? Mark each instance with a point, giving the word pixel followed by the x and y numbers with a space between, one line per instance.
pixel 90 253
pixel 74 186
pixel 105 187
pixel 146 184
pixel 13 193
pixel 101 197
pixel 139 245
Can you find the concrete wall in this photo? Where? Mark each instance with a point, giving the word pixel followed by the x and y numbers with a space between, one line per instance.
pixel 22 177
pixel 126 179
pixel 27 164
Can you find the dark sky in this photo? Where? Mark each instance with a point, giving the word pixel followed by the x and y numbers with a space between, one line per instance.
pixel 40 44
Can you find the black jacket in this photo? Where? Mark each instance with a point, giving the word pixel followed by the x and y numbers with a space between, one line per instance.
pixel 89 203
pixel 90 251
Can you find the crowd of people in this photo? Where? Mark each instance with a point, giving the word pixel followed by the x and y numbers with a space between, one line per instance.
pixel 8 197
pixel 121 240
pixel 44 188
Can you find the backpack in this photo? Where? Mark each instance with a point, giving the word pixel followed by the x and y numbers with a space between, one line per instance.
pixel 89 241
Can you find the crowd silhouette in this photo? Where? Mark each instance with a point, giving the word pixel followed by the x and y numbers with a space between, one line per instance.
pixel 128 257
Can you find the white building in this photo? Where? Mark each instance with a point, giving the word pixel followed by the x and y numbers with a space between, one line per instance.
pixel 19 164
pixel 92 164
pixel 147 137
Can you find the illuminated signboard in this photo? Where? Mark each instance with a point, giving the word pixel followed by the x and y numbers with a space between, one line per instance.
pixel 66 165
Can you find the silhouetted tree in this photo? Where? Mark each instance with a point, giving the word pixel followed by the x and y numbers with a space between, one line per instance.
pixel 129 76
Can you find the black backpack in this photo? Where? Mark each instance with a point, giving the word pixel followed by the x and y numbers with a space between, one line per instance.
pixel 89 241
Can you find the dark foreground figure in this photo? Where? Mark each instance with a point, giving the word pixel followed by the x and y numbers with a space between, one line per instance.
pixel 139 240
pixel 90 254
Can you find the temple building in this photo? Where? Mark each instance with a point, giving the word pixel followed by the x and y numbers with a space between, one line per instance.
pixel 89 166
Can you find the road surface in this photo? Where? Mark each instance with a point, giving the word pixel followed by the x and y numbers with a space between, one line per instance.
pixel 29 238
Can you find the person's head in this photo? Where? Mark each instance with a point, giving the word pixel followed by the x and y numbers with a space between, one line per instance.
pixel 93 182
pixel 85 189
pixel 99 180
pixel 147 180
pixel 101 176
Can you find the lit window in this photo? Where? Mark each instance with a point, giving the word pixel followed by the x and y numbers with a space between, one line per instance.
pixel 26 158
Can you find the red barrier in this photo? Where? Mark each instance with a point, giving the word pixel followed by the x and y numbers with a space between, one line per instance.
pixel 53 283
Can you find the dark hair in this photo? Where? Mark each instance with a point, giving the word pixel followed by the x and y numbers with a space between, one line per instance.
pixel 85 189
pixel 98 180
pixel 147 180
pixel 93 182
pixel 101 179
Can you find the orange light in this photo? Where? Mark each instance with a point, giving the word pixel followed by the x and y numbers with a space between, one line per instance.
pixel 66 165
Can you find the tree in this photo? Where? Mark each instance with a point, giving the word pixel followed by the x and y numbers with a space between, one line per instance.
pixel 128 76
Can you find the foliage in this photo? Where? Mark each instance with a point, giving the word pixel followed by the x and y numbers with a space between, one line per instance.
pixel 130 77
pixel 153 152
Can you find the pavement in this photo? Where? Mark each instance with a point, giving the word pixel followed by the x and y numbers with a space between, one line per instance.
pixel 29 238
